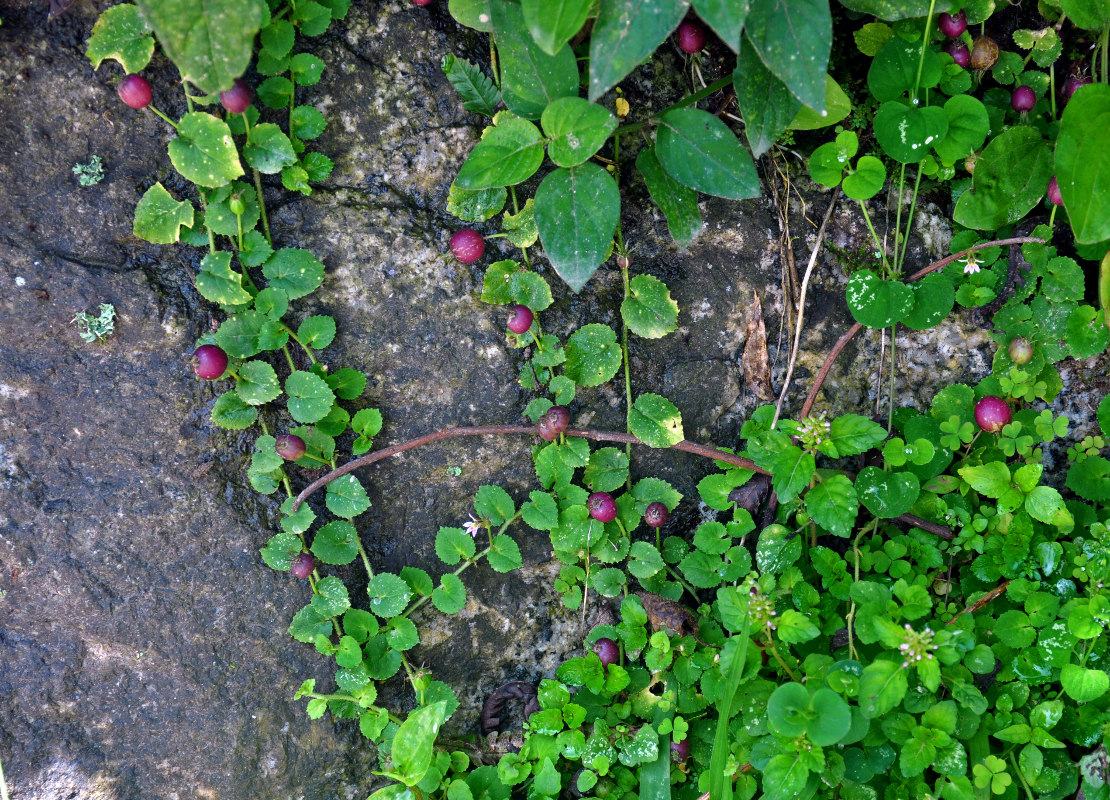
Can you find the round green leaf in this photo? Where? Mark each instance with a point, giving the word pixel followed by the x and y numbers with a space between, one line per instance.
pixel 218 282
pixel 1088 332
pixel 268 149
pixel 310 397
pixel 877 303
pixel 346 497
pixel 336 543
pixel 968 126
pixel 698 150
pixel 307 122
pixel 450 596
pixel 510 152
pixel 121 33
pixel 866 180
pixel 295 271
pixel 887 494
pixel 933 298
pixel 203 151
pixel 257 383
pixel 576 129
pixel 607 470
pixel 655 421
pixel 453 545
pixel 331 598
pixel 317 331
pixel 832 718
pixel 1010 179
pixel 894 69
pixel 593 355
pixel 389 594
pixel 907 133
pixel 232 413
pixel 828 162
pixel 306 69
pixel 158 217
pixel 788 709
pixel 1083 162
pixel 648 310
pixel 1084 685
pixel 577 211
pixel 777 549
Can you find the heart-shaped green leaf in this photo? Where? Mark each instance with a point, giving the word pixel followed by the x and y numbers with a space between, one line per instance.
pixel 577 210
pixel 887 494
pixel 577 129
pixel 905 133
pixel 1010 179
pixel 877 303
pixel 933 298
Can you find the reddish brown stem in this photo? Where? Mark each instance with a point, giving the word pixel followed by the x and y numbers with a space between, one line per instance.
pixel 982 601
pixel 807 406
pixel 705 451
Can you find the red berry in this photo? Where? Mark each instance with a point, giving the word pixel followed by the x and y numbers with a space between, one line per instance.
pixel 691 37
pixel 290 447
pixel 984 52
pixel 623 262
pixel 602 507
pixel 302 566
pixel 1023 99
pixel 468 246
pixel 209 362
pixel 238 98
pixel 952 25
pixel 655 515
pixel 607 651
pixel 521 320
pixel 1021 350
pixel 959 52
pixel 1073 85
pixel 553 422
pixel 134 90
pixel 992 414
pixel 1054 195
pixel 680 751
pixel 421 2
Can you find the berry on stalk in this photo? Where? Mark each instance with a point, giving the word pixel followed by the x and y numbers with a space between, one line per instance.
pixel 984 53
pixel 238 98
pixel 1072 85
pixel 602 507
pixel 1054 195
pixel 952 25
pixel 655 515
pixel 691 37
pixel 607 651
pixel 209 362
pixel 993 414
pixel 302 566
pixel 468 245
pixel 421 2
pixel 521 320
pixel 290 447
pixel 680 751
pixel 959 52
pixel 553 422
pixel 134 90
pixel 1021 350
pixel 1023 99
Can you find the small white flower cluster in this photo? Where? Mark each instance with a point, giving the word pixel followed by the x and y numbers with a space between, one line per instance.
pixel 917 647
pixel 762 610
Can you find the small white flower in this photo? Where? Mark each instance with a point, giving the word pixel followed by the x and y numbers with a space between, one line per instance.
pixel 473 527
pixel 972 265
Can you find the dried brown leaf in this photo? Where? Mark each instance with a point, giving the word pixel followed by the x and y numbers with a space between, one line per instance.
pixel 757 368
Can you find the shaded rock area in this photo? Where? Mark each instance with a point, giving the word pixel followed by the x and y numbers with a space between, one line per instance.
pixel 143 651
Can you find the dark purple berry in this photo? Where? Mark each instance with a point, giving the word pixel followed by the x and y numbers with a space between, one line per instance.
pixel 691 37
pixel 1072 85
pixel 553 422
pixel 984 52
pixel 1054 195
pixel 468 246
pixel 655 515
pixel 607 651
pixel 238 98
pixel 421 2
pixel 521 320
pixel 1021 350
pixel 992 414
pixel 602 507
pixel 680 751
pixel 1023 99
pixel 209 362
pixel 134 90
pixel 959 52
pixel 290 447
pixel 302 566
pixel 952 25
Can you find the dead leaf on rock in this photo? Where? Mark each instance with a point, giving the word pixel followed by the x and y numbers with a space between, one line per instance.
pixel 757 369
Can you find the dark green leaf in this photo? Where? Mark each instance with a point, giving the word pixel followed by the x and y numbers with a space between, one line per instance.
pixel 678 203
pixel 346 497
pixel 1010 179
pixel 907 133
pixel 258 383
pixel 336 543
pixel 933 298
pixel 887 494
pixel 530 78
pixel 698 150
pixel 389 594
pixel 349 384
pixel 276 92
pixel 648 310
pixel 576 129
pixel 310 397
pixel 553 22
pixel 306 69
pixel 317 331
pixel 121 33
pixel 794 40
pixel 278 37
pixel 655 421
pixel 777 549
pixel 625 33
pixel 833 504
pixel 218 282
pixel 203 151
pixel 510 152
pixel 450 596
pixel 726 17
pixel 593 355
pixel 280 551
pixel 577 211
pixel 894 70
pixel 476 206
pixel 295 271
pixel 477 91
pixel 311 17
pixel 968 126
pixel 454 545
pixel 504 554
pixel 307 123
pixel 877 303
